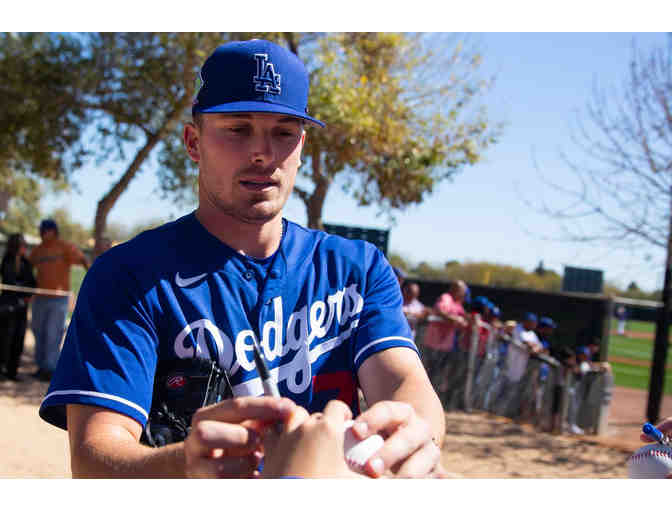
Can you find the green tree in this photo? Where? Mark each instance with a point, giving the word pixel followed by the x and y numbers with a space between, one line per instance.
pixel 42 79
pixel 397 111
pixel 142 96
pixel 23 210
pixel 42 83
pixel 122 94
pixel 400 118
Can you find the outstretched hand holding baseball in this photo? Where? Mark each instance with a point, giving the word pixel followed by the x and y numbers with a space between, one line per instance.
pixel 311 445
pixel 409 450
pixel 226 438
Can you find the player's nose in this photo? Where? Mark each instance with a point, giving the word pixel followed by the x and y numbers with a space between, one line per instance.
pixel 261 149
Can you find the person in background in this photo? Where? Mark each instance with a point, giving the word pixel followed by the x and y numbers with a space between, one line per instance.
pixel 525 342
pixel 440 335
pixel 622 317
pixel 545 329
pixel 517 359
pixel 495 318
pixel 15 269
pixel 413 309
pixel 567 358
pixel 577 388
pixel 53 259
pixel 593 358
pixel 482 317
pixel 509 328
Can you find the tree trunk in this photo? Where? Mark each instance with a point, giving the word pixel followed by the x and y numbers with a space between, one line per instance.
pixel 657 378
pixel 315 201
pixel 315 204
pixel 108 201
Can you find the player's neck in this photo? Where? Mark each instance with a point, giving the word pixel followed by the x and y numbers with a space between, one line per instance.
pixel 255 240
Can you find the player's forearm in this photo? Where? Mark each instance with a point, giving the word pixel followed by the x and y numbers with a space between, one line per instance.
pixel 105 457
pixel 420 394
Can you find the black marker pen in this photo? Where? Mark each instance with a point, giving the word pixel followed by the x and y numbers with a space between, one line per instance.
pixel 269 385
pixel 270 388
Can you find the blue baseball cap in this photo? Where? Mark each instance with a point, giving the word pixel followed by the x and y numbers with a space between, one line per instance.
pixel 529 316
pixel 48 224
pixel 547 322
pixel 467 296
pixel 480 303
pixel 583 350
pixel 254 76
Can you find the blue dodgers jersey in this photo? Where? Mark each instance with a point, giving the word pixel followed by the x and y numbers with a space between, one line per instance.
pixel 319 307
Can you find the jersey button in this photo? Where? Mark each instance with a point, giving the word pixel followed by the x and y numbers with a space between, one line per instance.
pixel 248 275
pixel 275 273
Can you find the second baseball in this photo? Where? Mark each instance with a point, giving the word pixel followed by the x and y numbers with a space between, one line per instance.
pixel 358 452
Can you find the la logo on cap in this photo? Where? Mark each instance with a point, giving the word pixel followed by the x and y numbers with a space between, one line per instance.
pixel 266 79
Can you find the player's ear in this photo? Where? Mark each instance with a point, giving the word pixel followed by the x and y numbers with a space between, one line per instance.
pixel 303 139
pixel 190 136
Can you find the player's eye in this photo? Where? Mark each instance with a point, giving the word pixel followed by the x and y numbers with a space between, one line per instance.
pixel 238 130
pixel 287 133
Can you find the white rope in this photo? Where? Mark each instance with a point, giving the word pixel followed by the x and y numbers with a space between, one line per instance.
pixel 32 290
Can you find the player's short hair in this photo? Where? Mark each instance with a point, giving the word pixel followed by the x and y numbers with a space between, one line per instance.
pixel 197 120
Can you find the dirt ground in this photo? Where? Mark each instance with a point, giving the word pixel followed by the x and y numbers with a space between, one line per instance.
pixel 477 445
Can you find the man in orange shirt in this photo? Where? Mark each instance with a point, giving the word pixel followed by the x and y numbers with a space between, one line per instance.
pixel 52 259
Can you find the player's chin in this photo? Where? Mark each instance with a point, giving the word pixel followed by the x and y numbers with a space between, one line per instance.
pixel 262 211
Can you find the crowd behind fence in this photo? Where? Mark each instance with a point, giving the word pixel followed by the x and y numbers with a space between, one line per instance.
pixel 554 395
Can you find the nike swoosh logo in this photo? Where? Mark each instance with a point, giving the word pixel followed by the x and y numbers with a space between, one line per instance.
pixel 185 282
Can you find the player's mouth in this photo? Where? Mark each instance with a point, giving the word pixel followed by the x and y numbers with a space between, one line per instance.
pixel 258 184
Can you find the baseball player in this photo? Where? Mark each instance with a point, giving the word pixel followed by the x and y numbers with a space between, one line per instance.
pixel 326 311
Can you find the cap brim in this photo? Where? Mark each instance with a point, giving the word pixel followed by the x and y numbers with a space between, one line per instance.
pixel 258 107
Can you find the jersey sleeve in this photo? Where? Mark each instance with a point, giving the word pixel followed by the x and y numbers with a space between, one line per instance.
pixel 382 324
pixel 110 351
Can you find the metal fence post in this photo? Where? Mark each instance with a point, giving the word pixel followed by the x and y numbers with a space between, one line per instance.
pixel 471 363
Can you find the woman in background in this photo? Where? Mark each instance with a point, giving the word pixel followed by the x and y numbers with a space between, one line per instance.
pixel 15 269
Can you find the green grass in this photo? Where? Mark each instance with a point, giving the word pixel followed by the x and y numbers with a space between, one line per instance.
pixel 633 348
pixel 631 376
pixel 640 327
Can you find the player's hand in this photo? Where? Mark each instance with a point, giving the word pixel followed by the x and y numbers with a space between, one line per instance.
pixel 409 450
pixel 226 438
pixel 664 426
pixel 311 446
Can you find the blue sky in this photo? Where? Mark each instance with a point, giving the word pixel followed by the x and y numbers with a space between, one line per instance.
pixel 542 80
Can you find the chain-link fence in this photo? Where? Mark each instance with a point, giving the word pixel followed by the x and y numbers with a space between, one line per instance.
pixel 489 371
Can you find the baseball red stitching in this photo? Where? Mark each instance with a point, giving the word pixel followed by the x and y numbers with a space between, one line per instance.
pixel 657 453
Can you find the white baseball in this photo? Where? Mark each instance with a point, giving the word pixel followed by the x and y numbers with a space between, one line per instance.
pixel 358 452
pixel 650 461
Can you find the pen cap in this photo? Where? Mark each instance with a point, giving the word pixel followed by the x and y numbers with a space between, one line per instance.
pixel 652 431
